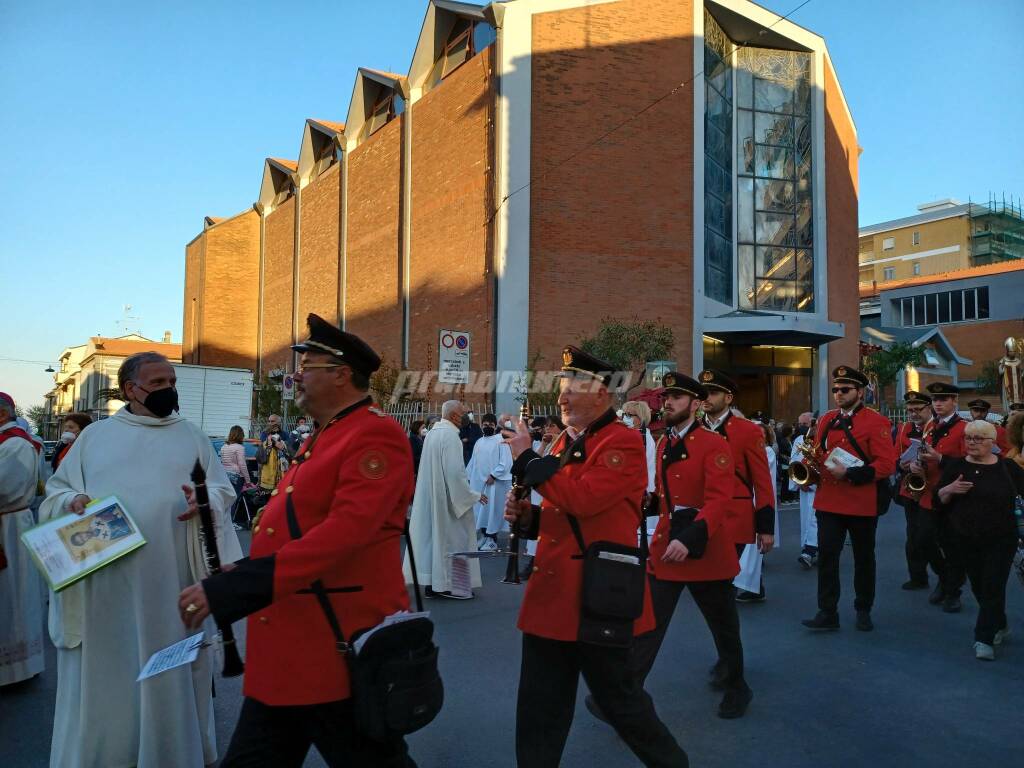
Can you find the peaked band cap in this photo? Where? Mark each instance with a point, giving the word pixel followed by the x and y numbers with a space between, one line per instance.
pixel 347 347
pixel 847 375
pixel 912 397
pixel 984 405
pixel 942 388
pixel 576 362
pixel 675 383
pixel 711 378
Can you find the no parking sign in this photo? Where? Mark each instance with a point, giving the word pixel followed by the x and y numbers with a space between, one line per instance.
pixel 453 357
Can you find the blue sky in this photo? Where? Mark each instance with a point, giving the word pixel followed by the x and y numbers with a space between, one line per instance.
pixel 125 124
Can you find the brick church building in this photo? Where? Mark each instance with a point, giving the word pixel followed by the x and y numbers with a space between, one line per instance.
pixel 545 164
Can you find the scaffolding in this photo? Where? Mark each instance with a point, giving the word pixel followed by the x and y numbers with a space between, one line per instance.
pixel 997 231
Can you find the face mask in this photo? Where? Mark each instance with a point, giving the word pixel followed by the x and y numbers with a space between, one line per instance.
pixel 508 425
pixel 160 402
pixel 67 437
pixel 423 432
pixel 303 428
pixel 488 431
pixel 469 416
pixel 628 421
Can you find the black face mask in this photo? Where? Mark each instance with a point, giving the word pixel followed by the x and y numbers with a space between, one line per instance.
pixel 161 402
pixel 488 431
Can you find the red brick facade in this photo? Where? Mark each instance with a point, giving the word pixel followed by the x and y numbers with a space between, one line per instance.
pixel 278 263
pixel 373 301
pixel 841 157
pixel 611 230
pixel 319 225
pixel 221 294
pixel 450 267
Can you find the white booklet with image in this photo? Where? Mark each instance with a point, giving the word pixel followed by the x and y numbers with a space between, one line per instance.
pixel 840 457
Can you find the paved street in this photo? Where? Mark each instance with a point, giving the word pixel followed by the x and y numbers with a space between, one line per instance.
pixel 910 693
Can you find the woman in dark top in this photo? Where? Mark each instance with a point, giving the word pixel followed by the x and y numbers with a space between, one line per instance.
pixel 74 423
pixel 978 493
pixel 417 431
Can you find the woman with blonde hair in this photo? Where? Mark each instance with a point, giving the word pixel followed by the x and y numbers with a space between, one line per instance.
pixel 979 494
pixel 636 414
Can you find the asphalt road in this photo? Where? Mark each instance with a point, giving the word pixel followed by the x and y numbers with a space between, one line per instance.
pixel 909 693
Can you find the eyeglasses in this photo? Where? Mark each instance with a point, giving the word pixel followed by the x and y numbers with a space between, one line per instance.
pixel 314 366
pixel 975 438
pixel 842 390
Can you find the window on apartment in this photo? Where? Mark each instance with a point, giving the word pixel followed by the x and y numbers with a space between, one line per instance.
pixel 888 243
pixel 931 357
pixel 917 268
pixel 916 238
pixel 944 307
pixel 889 273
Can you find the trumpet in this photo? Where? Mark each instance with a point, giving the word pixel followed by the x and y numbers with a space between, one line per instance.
pixel 806 471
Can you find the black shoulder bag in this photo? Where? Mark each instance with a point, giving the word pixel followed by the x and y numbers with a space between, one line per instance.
pixel 396 688
pixel 883 489
pixel 614 579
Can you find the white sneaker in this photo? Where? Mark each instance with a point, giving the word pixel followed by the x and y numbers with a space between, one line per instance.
pixel 489 545
pixel 1001 635
pixel 984 652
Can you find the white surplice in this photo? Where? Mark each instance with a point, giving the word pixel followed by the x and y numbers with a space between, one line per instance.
pixel 491 458
pixel 751 560
pixel 107 625
pixel 21 595
pixel 441 522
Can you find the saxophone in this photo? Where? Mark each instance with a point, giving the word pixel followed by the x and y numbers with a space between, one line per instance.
pixel 916 482
pixel 807 471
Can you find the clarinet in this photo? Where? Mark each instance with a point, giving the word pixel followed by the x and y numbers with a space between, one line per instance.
pixel 232 660
pixel 519 491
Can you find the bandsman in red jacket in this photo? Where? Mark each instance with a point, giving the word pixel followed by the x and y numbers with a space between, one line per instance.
pixel 979 412
pixel 752 509
pixel 349 487
pixel 693 546
pixel 857 453
pixel 592 483
pixel 945 441
pixel 922 548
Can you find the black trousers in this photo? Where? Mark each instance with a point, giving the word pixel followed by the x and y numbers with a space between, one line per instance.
pixel 988 562
pixel 956 569
pixel 922 546
pixel 717 602
pixel 548 680
pixel 832 530
pixel 280 737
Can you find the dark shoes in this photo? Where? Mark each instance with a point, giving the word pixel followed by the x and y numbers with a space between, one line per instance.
pixel 806 561
pixel 937 594
pixel 734 703
pixel 717 676
pixel 914 584
pixel 951 604
pixel 864 623
pixel 595 709
pixel 742 596
pixel 823 621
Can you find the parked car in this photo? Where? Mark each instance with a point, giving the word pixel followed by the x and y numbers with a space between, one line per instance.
pixel 250 445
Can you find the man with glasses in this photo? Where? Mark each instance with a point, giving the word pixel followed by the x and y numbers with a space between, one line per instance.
pixel 857 452
pixel 922 546
pixel 945 442
pixel 332 532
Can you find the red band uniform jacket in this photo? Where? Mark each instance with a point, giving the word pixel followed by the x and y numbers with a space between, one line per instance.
pixel 906 432
pixel 856 493
pixel 695 470
pixel 351 484
pixel 752 507
pixel 946 437
pixel 600 479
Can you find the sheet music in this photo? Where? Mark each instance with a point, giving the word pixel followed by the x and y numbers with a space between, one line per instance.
pixel 183 652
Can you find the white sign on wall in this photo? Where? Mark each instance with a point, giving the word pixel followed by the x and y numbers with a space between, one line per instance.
pixel 453 357
pixel 288 387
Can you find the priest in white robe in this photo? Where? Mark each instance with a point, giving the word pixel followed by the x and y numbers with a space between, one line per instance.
pixel 21 595
pixel 108 624
pixel 442 522
pixel 490 474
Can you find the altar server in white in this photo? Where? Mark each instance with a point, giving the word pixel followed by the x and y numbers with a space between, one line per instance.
pixel 490 474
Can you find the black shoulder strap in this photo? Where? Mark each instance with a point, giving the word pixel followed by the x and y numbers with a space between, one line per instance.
pixel 853 442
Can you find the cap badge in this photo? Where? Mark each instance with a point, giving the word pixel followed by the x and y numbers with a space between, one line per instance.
pixel 841 371
pixel 707 376
pixel 567 358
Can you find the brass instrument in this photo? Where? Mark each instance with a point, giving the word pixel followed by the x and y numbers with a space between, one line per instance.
pixel 519 491
pixel 807 470
pixel 916 482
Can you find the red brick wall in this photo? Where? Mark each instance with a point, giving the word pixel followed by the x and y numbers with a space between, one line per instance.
pixel 981 342
pixel 611 230
pixel 191 308
pixel 231 292
pixel 318 251
pixel 451 279
pixel 841 187
pixel 278 255
pixel 373 308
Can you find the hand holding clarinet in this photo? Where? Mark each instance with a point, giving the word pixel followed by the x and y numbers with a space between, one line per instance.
pixel 517 506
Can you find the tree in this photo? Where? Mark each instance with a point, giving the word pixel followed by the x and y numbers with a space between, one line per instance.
pixel 268 398
pixel 630 345
pixel 540 390
pixel 885 365
pixel 37 417
pixel 384 385
pixel 988 379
